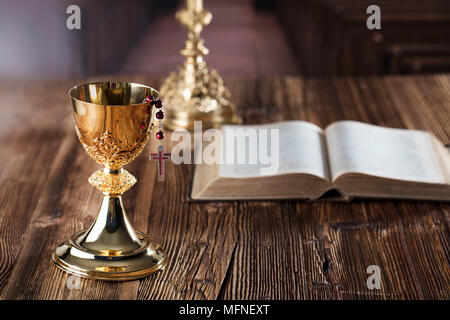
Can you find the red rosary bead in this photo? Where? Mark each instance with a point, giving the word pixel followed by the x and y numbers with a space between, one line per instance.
pixel 159 135
pixel 158 104
pixel 160 115
pixel 148 98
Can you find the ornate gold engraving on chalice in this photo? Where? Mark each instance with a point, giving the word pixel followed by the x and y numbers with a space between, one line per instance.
pixel 194 93
pixel 113 125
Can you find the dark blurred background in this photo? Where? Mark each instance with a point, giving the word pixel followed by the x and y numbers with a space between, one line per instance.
pixel 314 38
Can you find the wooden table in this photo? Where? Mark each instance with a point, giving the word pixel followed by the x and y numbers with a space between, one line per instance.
pixel 224 250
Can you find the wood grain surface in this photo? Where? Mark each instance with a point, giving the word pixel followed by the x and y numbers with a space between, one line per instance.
pixel 224 250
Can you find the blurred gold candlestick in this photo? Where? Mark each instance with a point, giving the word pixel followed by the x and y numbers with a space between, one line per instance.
pixel 194 5
pixel 194 93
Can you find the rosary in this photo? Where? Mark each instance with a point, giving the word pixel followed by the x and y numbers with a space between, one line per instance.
pixel 160 156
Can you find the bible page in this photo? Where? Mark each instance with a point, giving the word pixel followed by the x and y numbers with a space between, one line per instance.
pixel 383 152
pixel 297 148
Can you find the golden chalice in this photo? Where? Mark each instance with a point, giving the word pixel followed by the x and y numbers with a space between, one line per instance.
pixel 113 123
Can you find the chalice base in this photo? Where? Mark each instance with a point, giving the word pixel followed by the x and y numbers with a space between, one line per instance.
pixel 138 264
pixel 110 249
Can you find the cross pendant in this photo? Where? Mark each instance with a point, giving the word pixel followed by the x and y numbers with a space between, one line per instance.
pixel 161 157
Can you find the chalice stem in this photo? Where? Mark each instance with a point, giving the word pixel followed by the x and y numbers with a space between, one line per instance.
pixel 111 231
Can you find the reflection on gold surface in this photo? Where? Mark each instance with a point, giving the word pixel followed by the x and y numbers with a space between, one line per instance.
pixel 111 253
pixel 110 269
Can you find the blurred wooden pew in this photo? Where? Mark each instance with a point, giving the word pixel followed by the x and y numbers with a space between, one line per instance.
pixel 330 37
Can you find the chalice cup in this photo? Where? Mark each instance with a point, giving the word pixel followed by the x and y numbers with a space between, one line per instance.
pixel 113 121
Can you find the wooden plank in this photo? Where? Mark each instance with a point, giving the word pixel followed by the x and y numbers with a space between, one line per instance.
pixel 269 258
pixel 228 250
pixel 423 102
pixel 24 170
pixel 427 239
pixel 366 234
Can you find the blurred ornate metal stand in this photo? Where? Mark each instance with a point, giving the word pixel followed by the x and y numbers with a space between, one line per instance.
pixel 194 93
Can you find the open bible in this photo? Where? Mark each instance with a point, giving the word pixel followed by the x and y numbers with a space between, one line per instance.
pixel 353 158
